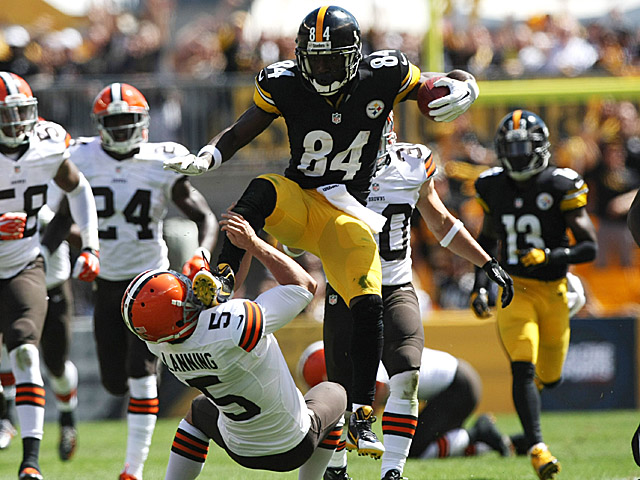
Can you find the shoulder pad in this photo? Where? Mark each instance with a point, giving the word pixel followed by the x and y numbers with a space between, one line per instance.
pixel 271 78
pixel 284 68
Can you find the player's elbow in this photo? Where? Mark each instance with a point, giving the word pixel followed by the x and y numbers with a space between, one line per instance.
pixel 591 250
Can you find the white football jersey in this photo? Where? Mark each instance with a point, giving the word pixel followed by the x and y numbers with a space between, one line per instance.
pixel 132 198
pixel 437 370
pixel 23 188
pixel 233 358
pixel 394 193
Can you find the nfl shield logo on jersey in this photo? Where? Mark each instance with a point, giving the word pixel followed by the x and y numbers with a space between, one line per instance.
pixel 333 299
pixel 336 118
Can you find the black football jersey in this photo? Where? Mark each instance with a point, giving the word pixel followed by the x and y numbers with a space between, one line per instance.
pixel 531 217
pixel 336 144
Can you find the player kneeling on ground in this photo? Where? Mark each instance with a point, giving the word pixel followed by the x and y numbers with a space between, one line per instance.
pixel 250 404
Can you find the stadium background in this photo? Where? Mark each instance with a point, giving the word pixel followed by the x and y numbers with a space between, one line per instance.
pixel 194 95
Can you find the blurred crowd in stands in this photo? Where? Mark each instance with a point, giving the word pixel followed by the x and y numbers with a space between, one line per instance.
pixel 603 145
pixel 149 40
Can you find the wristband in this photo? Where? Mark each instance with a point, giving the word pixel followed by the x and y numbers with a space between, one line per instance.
pixel 455 228
pixel 215 154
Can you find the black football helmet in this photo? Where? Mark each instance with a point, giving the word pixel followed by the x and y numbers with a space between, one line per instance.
pixel 328 49
pixel 522 144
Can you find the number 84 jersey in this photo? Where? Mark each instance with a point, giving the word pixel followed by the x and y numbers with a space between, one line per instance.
pixel 132 199
pixel 395 191
pixel 336 143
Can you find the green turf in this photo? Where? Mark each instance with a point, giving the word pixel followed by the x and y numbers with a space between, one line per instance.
pixel 590 446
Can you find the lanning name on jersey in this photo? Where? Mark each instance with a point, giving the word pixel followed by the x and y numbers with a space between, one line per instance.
pixel 188 362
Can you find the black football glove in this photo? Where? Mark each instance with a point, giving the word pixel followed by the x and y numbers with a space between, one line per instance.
pixel 495 272
pixel 480 303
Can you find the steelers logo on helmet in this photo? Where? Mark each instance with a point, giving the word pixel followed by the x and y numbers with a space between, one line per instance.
pixel 328 49
pixel 121 114
pixel 18 110
pixel 522 144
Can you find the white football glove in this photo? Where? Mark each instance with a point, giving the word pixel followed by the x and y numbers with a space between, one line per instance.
pixel 450 107
pixel 189 164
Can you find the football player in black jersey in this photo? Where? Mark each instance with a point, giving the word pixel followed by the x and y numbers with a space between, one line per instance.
pixel 335 103
pixel 528 206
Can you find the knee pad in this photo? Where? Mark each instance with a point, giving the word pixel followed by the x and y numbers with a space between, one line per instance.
pixel 25 364
pixel 404 385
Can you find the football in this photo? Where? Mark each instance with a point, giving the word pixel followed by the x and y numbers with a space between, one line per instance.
pixel 311 366
pixel 427 93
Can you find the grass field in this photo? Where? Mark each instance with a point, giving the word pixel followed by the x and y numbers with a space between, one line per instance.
pixel 590 446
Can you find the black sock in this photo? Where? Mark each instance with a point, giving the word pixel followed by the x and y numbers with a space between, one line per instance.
pixel 30 452
pixel 366 347
pixel 66 419
pixel 526 399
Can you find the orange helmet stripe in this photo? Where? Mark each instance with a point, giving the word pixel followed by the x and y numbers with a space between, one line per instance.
pixel 320 22
pixel 516 119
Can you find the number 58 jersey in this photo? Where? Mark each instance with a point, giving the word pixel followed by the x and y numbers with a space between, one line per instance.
pixel 234 360
pixel 24 188
pixel 132 198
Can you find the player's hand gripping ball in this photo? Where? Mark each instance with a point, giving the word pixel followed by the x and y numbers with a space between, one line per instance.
pixel 427 93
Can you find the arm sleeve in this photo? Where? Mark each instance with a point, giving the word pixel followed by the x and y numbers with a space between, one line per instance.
pixel 83 211
pixel 282 304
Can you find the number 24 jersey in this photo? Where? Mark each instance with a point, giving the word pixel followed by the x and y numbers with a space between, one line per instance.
pixel 132 199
